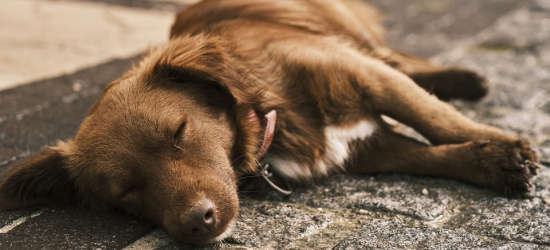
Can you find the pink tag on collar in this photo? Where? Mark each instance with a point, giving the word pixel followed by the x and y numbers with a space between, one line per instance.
pixel 271 119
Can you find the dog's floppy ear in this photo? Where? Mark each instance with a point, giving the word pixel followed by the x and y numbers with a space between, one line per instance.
pixel 203 63
pixel 38 180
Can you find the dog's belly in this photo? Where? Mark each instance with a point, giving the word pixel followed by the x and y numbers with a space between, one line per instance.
pixel 337 151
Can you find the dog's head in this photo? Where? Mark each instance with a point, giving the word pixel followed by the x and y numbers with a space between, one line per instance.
pixel 161 142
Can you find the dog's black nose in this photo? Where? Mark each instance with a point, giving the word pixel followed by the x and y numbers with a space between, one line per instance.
pixel 201 219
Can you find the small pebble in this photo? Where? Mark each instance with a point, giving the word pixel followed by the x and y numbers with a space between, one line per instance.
pixel 425 191
pixel 77 87
pixel 363 211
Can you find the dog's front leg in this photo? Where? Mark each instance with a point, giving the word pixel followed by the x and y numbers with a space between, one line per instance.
pixel 495 166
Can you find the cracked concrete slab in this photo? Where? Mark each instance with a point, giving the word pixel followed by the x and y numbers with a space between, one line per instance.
pixel 384 234
pixel 501 218
pixel 383 193
pixel 116 230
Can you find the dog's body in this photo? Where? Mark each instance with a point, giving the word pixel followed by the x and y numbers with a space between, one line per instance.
pixel 172 138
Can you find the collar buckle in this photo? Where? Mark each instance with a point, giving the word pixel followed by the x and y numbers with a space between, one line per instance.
pixel 266 174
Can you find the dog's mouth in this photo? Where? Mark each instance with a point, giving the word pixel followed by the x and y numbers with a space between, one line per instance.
pixel 227 232
pixel 205 223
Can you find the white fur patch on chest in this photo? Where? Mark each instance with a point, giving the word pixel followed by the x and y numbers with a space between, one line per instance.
pixel 337 151
pixel 338 139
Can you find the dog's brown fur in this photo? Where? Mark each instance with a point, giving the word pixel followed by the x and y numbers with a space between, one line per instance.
pixel 172 138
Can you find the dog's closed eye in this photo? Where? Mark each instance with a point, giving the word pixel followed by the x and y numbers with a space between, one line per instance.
pixel 128 193
pixel 178 137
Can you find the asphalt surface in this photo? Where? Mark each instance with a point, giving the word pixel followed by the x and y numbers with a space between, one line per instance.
pixel 347 212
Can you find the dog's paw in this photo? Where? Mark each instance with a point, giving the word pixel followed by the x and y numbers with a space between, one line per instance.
pixel 509 165
pixel 475 86
pixel 454 83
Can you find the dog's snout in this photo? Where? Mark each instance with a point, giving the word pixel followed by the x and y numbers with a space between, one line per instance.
pixel 201 219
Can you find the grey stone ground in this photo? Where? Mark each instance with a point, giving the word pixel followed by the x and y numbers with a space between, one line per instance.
pixel 508 41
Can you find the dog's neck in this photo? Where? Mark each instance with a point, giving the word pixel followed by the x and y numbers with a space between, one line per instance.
pixel 270 120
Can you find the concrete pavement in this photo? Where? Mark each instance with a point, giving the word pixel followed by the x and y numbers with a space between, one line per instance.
pixel 60 55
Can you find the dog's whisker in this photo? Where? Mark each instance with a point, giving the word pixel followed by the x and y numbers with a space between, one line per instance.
pixel 237 159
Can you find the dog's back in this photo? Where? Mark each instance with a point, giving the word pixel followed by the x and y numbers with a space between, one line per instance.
pixel 353 19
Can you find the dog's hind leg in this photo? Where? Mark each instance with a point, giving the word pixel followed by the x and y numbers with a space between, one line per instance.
pixel 478 162
pixel 446 83
pixel 346 83
pixel 392 93
pixel 361 22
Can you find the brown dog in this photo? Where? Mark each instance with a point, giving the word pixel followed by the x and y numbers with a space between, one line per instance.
pixel 172 139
